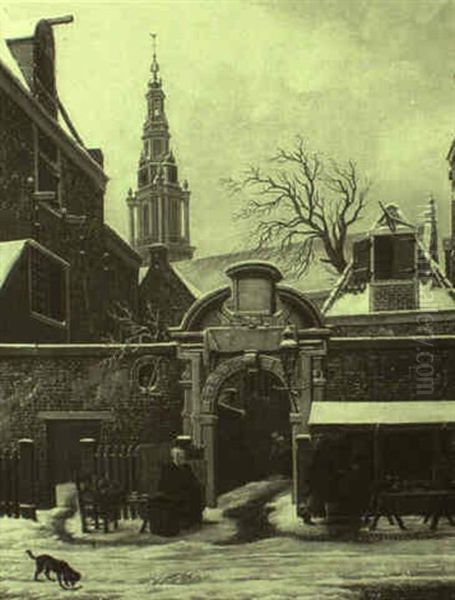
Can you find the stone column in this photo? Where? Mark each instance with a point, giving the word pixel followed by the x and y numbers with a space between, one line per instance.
pixel 209 430
pixel 186 218
pixel 165 217
pixel 137 222
pixel 160 219
pixel 26 473
pixel 196 397
pixel 305 384
pixel 318 377
pixel 132 224
pixel 187 411
pixel 296 424
pixel 150 223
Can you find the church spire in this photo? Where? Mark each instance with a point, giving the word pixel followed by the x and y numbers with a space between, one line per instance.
pixel 155 68
pixel 159 209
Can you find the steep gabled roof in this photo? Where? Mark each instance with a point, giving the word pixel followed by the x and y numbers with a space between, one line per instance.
pixel 208 273
pixel 15 84
pixel 120 246
pixel 10 253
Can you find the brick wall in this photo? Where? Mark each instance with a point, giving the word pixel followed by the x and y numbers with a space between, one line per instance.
pixel 415 369
pixel 73 227
pixel 411 324
pixel 95 378
pixel 16 165
pixel 393 295
pixel 163 291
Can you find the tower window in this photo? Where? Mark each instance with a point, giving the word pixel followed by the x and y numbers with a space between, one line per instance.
pixel 157 147
pixel 172 174
pixel 142 177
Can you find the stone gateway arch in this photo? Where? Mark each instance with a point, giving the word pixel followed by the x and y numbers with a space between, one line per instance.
pixel 241 388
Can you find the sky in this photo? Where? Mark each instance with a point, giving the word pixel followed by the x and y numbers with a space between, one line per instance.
pixel 367 80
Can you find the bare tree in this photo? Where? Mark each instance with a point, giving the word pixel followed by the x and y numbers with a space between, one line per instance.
pixel 301 200
pixel 126 328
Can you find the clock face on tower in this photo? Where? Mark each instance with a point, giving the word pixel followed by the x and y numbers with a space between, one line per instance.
pixel 156 111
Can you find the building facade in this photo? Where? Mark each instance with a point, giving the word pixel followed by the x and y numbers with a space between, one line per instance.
pixel 62 266
pixel 249 359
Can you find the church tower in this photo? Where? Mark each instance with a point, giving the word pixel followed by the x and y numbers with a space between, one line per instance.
pixel 159 209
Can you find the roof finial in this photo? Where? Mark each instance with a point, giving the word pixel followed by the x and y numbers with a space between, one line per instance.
pixel 155 67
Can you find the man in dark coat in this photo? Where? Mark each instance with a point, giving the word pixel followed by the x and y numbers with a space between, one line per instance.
pixel 178 503
pixel 181 487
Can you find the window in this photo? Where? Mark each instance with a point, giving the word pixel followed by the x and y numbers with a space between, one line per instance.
pixel 172 174
pixel 146 373
pixel 157 147
pixel 142 177
pixel 394 257
pixel 48 166
pixel 48 286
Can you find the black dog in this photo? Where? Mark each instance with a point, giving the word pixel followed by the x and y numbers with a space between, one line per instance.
pixel 67 576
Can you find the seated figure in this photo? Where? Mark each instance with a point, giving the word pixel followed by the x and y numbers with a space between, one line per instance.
pixel 179 502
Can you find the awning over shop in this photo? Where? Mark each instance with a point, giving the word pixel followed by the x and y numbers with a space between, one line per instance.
pixel 382 413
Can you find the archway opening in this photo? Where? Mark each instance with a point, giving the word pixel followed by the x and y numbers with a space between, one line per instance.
pixel 254 434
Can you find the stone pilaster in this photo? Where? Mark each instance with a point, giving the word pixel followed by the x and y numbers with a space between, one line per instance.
pixel 296 425
pixel 187 411
pixel 209 439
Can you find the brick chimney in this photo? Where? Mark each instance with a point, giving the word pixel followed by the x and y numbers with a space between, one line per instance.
pixel 159 258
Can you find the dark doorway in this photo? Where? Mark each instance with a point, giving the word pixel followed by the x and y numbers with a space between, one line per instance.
pixel 64 453
pixel 408 454
pixel 254 437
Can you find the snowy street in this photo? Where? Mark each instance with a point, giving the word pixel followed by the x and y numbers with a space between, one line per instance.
pixel 207 564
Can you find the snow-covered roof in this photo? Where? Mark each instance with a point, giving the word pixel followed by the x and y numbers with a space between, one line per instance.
pixel 10 252
pixel 7 30
pixel 208 273
pixel 382 413
pixel 434 290
pixel 12 29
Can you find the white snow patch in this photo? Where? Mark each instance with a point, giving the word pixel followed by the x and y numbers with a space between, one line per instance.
pixel 351 304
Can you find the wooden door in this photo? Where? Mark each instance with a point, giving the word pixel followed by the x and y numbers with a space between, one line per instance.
pixel 64 453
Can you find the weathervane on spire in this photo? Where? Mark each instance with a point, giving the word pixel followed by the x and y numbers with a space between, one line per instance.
pixel 154 68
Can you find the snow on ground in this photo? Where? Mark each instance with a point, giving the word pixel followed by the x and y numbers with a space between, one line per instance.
pixel 202 565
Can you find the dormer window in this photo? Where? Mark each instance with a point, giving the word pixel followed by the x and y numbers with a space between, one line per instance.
pixel 394 257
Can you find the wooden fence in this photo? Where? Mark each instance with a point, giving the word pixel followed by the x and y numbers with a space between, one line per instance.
pixel 123 477
pixel 117 463
pixel 134 469
pixel 18 480
pixel 9 482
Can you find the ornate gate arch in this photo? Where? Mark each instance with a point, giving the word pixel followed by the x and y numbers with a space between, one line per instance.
pixel 228 367
pixel 208 417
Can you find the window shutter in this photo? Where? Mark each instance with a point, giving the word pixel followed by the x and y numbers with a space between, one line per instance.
pixel 404 257
pixel 361 253
pixel 361 266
